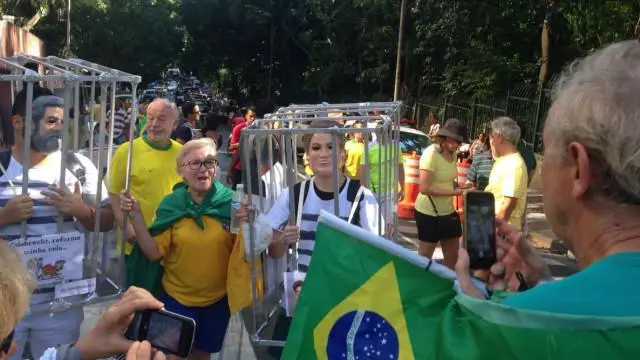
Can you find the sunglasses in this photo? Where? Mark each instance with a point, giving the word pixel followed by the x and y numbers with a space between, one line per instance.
pixel 5 345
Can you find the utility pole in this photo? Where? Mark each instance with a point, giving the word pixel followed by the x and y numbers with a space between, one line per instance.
pixel 396 88
pixel 68 47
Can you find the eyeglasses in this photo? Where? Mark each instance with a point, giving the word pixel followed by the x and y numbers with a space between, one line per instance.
pixel 197 164
pixel 5 345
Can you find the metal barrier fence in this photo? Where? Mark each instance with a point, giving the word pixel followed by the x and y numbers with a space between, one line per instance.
pixel 525 103
pixel 268 183
pixel 73 265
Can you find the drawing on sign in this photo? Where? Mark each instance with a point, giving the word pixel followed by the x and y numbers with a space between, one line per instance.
pixel 47 271
pixel 53 258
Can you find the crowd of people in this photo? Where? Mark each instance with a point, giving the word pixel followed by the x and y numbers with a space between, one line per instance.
pixel 176 213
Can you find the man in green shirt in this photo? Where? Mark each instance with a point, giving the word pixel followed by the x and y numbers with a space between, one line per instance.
pixel 380 165
pixel 141 123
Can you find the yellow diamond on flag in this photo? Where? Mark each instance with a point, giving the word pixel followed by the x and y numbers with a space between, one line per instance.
pixel 367 324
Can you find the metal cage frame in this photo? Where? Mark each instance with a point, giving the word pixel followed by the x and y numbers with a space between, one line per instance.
pixel 72 73
pixel 385 130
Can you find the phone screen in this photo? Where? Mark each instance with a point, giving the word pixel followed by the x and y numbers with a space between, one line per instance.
pixel 164 331
pixel 480 230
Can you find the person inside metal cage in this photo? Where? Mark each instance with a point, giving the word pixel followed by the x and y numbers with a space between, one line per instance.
pixel 357 205
pixel 48 198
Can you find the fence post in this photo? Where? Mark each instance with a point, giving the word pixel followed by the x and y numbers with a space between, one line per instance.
pixel 444 111
pixel 474 114
pixel 506 104
pixel 537 119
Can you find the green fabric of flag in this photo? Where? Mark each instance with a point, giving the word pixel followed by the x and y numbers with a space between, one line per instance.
pixel 363 300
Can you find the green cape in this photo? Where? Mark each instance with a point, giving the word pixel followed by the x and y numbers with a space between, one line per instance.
pixel 217 204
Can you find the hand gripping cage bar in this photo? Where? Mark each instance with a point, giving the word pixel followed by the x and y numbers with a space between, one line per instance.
pixel 74 76
pixel 383 129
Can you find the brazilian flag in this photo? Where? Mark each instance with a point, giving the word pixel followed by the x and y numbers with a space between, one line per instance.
pixel 367 298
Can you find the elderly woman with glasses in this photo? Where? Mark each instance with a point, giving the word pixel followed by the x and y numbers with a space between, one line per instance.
pixel 190 236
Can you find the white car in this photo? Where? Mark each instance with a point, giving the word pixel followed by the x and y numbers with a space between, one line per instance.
pixel 411 140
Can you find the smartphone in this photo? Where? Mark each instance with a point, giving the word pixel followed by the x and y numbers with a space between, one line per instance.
pixel 479 229
pixel 169 332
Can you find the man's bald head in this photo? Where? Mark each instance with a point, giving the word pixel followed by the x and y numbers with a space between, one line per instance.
pixel 162 119
pixel 160 104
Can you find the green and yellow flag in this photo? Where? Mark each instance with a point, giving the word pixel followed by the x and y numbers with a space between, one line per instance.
pixel 366 298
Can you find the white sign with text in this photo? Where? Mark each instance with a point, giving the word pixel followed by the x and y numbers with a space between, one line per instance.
pixel 73 288
pixel 53 258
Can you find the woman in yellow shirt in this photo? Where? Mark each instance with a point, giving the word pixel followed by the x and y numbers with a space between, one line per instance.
pixel 436 219
pixel 190 237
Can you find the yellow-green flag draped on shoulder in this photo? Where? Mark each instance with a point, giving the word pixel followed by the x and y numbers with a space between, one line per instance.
pixel 367 298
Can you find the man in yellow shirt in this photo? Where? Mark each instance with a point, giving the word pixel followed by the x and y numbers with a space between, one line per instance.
pixel 508 179
pixel 153 171
pixel 354 149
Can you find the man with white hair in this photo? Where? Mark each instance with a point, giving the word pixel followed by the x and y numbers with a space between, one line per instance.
pixel 591 192
pixel 508 179
pixel 153 171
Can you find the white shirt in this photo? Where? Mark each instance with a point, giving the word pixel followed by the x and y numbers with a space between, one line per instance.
pixel 279 215
pixel 44 218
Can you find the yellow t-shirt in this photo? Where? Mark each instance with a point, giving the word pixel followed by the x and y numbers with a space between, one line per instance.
pixel 509 179
pixel 443 175
pixel 153 175
pixel 195 261
pixel 354 150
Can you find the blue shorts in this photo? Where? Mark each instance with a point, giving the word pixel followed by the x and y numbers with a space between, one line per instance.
pixel 211 322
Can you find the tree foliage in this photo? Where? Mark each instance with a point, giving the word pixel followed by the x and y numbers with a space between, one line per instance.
pixel 335 50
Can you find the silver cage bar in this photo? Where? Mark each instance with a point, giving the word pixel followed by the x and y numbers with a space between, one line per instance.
pixel 74 80
pixel 381 126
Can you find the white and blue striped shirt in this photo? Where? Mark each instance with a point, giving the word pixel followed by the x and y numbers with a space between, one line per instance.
pixel 316 201
pixel 44 217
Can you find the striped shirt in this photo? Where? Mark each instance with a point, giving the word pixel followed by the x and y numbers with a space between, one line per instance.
pixel 44 218
pixel 316 201
pixel 480 170
pixel 120 121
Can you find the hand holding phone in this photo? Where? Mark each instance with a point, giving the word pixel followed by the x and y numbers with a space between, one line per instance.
pixel 166 331
pixel 143 351
pixel 479 229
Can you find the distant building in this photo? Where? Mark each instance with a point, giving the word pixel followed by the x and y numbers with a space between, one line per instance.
pixel 13 40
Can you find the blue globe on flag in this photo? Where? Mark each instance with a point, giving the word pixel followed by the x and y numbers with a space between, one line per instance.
pixel 362 335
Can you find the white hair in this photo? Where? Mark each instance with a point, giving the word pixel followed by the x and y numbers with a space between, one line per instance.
pixel 507 128
pixel 16 286
pixel 167 103
pixel 596 104
pixel 205 143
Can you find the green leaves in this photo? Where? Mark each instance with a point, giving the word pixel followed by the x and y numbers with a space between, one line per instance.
pixel 321 50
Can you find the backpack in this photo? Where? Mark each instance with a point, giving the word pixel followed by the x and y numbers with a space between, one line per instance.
pixel 354 196
pixel 73 164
